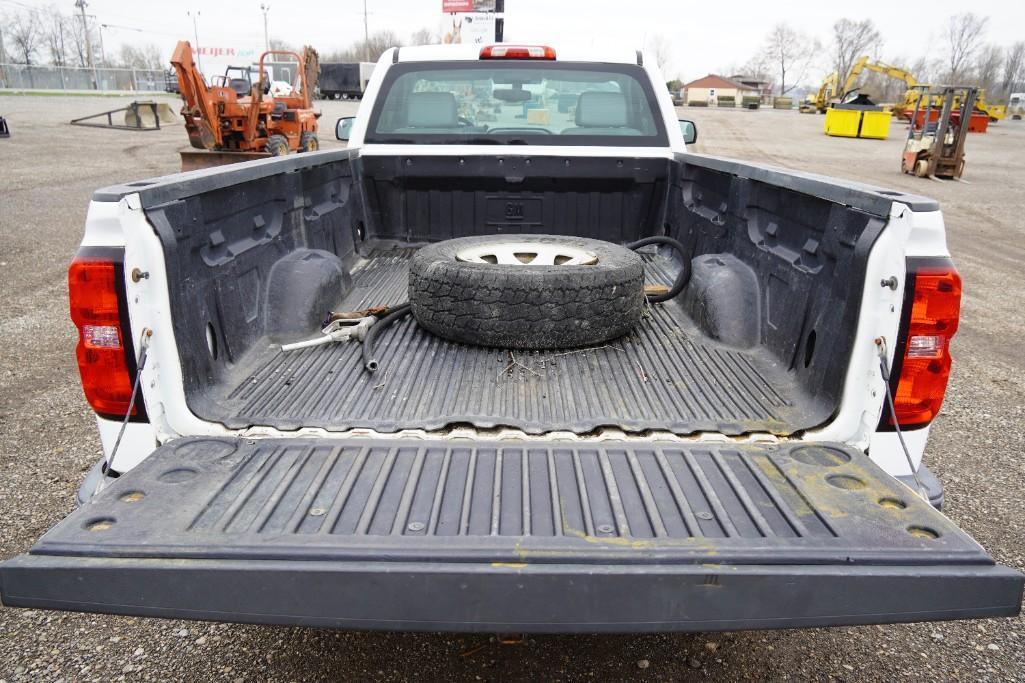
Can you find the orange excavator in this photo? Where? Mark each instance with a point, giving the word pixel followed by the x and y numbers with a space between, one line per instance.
pixel 237 119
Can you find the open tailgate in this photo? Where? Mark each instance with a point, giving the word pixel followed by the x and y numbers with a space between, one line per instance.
pixel 511 536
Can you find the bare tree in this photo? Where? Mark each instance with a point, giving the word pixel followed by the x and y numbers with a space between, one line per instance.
pixel 26 35
pixel 53 29
pixel 987 68
pixel 925 70
pixel 144 57
pixel 3 33
pixel 361 50
pixel 1014 68
pixel 424 36
pixel 661 50
pixel 758 67
pixel 792 53
pixel 75 47
pixel 964 35
pixel 851 39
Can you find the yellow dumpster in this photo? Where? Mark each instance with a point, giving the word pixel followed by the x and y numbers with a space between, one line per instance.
pixel 843 123
pixel 876 125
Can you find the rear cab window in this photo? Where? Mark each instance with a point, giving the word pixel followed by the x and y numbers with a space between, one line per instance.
pixel 516 103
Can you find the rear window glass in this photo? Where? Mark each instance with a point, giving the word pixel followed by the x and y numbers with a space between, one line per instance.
pixel 536 103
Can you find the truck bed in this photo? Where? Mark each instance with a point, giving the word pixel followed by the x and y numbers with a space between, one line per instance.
pixel 759 341
pixel 667 376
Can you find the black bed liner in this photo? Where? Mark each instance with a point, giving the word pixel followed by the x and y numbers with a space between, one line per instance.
pixel 525 535
pixel 233 242
pixel 667 375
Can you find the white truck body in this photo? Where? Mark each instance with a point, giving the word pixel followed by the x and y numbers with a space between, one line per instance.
pixel 453 499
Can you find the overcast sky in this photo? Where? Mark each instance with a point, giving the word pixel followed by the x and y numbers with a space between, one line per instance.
pixel 704 36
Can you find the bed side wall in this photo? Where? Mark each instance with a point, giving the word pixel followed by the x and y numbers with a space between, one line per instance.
pixel 239 252
pixel 807 252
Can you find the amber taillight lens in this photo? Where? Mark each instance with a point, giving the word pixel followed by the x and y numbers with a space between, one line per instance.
pixel 105 359
pixel 924 364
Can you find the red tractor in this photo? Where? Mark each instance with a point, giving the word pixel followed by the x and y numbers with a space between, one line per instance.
pixel 236 119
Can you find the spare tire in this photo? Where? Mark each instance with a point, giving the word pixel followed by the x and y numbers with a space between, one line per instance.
pixel 527 291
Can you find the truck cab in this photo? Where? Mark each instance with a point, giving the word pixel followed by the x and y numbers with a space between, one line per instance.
pixel 748 455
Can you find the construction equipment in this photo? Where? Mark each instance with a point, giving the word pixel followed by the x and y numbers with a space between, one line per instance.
pixel 854 114
pixel 935 146
pixel 863 63
pixel 991 112
pixel 311 69
pixel 903 109
pixel 239 120
pixel 145 115
pixel 995 112
pixel 978 120
pixel 819 102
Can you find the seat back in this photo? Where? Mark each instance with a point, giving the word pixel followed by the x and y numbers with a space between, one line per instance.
pixel 432 110
pixel 242 86
pixel 601 113
pixel 601 110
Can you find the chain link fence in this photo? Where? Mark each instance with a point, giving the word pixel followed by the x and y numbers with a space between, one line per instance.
pixel 20 76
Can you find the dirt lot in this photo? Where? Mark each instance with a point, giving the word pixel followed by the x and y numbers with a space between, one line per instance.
pixel 48 439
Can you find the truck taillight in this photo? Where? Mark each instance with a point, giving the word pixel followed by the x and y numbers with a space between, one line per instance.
pixel 517 52
pixel 922 365
pixel 105 360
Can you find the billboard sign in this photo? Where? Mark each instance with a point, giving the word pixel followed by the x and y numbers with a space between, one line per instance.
pixel 460 6
pixel 473 21
pixel 215 59
pixel 478 28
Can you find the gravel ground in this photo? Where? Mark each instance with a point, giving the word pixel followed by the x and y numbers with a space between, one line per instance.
pixel 48 439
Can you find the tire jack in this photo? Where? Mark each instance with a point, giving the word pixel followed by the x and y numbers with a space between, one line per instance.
pixel 338 330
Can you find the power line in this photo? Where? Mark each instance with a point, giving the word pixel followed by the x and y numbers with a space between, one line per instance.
pixel 140 30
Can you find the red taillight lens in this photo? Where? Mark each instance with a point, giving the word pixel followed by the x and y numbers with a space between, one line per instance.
pixel 925 366
pixel 517 52
pixel 102 350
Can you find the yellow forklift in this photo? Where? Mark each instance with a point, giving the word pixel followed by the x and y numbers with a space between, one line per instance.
pixel 935 147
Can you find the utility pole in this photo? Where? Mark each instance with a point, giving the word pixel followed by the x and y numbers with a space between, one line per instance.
pixel 500 21
pixel 103 53
pixel 195 33
pixel 266 39
pixel 366 34
pixel 60 30
pixel 81 4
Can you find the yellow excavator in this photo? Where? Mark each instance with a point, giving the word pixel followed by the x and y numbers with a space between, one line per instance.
pixel 904 109
pixel 863 63
pixel 819 102
pixel 831 89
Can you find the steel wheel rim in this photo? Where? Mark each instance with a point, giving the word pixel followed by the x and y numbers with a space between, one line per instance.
pixel 527 254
